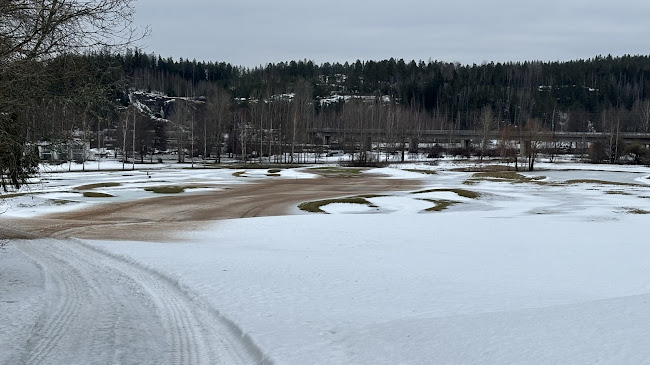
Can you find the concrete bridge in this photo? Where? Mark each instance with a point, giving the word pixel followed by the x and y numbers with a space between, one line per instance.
pixel 465 137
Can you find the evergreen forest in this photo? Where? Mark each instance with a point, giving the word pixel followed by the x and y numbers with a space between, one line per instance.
pixel 138 104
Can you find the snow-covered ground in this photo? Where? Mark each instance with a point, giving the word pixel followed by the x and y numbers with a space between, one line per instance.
pixel 57 190
pixel 528 273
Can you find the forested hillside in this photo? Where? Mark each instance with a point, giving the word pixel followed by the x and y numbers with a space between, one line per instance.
pixel 140 103
pixel 570 93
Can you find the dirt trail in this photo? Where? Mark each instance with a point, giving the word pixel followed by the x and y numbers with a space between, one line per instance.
pixel 155 218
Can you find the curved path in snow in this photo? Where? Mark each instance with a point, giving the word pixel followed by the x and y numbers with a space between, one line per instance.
pixel 97 308
pixel 103 309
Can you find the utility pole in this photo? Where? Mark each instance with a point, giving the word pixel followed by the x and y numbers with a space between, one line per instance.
pixel 133 142
pixel 192 142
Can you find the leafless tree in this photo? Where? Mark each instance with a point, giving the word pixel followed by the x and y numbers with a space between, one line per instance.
pixel 486 124
pixel 302 111
pixel 33 33
pixel 611 125
pixel 218 111
pixel 533 140
pixel 180 118
pixel 642 111
pixel 36 31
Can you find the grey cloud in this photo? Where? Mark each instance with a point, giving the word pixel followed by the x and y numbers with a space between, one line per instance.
pixel 256 32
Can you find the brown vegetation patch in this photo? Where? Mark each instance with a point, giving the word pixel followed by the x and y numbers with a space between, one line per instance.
pixel 166 189
pixel 61 202
pixel 635 211
pixel 93 194
pixel 483 168
pixel 617 192
pixel 440 204
pixel 508 176
pixel 426 172
pixel 12 195
pixel 98 185
pixel 460 192
pixel 315 206
pixel 603 182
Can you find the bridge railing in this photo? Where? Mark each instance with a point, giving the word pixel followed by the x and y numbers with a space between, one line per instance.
pixel 495 134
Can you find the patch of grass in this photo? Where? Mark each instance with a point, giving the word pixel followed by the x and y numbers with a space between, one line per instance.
pixel 204 166
pixel 257 166
pixel 12 195
pixel 369 196
pixel 147 182
pixel 92 194
pixel 603 182
pixel 617 192
pixel 61 201
pixel 273 175
pixel 239 174
pixel 200 165
pixel 198 186
pixel 338 171
pixel 509 176
pixel 249 166
pixel 274 171
pixel 440 205
pixel 314 206
pixel 636 211
pixel 166 189
pixel 460 192
pixel 426 172
pixel 98 185
pixel 486 168
pixel 542 212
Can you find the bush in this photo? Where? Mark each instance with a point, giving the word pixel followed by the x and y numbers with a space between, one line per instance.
pixel 639 153
pixel 597 152
pixel 364 159
pixel 461 152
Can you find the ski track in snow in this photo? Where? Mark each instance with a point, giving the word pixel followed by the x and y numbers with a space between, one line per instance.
pixel 147 319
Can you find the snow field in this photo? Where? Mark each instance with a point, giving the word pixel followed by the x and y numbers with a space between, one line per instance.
pixel 526 273
pixel 443 288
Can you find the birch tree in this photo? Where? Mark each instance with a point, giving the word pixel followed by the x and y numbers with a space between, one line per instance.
pixel 486 124
pixel 217 114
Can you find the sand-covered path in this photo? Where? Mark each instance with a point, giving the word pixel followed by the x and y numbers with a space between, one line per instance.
pixel 155 218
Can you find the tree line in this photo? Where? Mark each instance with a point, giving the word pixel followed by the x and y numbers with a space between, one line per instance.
pixel 391 98
pixel 67 75
pixel 562 95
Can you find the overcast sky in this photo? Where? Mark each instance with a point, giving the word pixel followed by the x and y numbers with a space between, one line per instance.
pixel 256 32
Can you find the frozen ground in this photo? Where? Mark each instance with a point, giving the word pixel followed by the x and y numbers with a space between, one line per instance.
pixel 532 273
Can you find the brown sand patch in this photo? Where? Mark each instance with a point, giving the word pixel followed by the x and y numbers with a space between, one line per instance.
pixel 156 218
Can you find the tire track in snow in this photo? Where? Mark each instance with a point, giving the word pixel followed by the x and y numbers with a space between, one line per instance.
pixel 62 311
pixel 108 309
pixel 235 343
